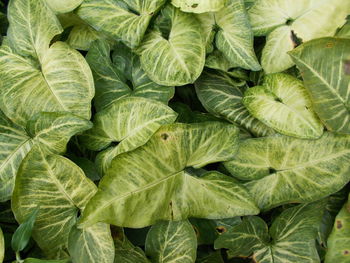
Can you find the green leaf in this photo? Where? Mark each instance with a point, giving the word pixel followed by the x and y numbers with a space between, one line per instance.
pixel 2 246
pixel 131 121
pixel 283 104
pixel 178 57
pixel 283 21
pixel 171 241
pixel 152 179
pixel 292 236
pixel 221 97
pixel 51 131
pixel 63 6
pixel 126 252
pixel 323 64
pixel 60 188
pixel 123 20
pixel 199 6
pixel 344 32
pixel 62 81
pixel 36 260
pixel 23 233
pixel 285 169
pixel 339 241
pixel 121 77
pixel 235 36
pixel 90 245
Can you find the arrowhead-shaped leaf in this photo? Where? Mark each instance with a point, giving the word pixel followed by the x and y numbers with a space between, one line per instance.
pixel 322 63
pixel 284 169
pixel 121 77
pixel 339 241
pixel 174 55
pixel 199 6
pixel 286 21
pixel 123 20
pixel 283 104
pixel 220 96
pixel 152 179
pixel 171 241
pixel 292 235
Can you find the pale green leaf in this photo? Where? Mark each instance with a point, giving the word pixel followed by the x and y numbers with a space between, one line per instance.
pixel 32 27
pixel 217 60
pixel 285 169
pixel 152 179
pixel 62 81
pixel 171 242
pixel 338 242
pixel 123 20
pixel 2 246
pixel 235 36
pixel 121 77
pixel 60 188
pixel 323 64
pixel 176 59
pixel 91 245
pixel 63 6
pixel 283 104
pixel 131 121
pixel 284 21
pixel 221 97
pixel 199 6
pixel 126 252
pixel 292 236
pixel 344 32
pixel 51 131
pixel 207 22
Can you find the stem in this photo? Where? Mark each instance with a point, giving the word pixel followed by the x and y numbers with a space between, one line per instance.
pixel 18 257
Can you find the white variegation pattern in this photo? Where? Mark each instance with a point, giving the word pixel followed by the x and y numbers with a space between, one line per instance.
pixel 322 63
pixel 284 169
pixel 91 245
pixel 220 96
pixel 2 246
pixel 125 21
pixel 199 6
pixel 290 239
pixel 171 242
pixel 152 181
pixel 283 104
pixel 32 27
pixel 235 36
pixel 130 121
pixel 51 131
pixel 306 19
pixel 63 6
pixel 60 188
pixel 178 59
pixel 111 77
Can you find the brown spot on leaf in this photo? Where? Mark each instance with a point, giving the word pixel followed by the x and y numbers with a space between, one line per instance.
pixel 346 252
pixel 339 224
pixel 329 45
pixel 221 229
pixel 194 5
pixel 164 136
pixel 171 210
pixel 196 230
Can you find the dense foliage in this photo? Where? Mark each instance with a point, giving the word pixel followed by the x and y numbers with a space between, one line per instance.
pixel 155 131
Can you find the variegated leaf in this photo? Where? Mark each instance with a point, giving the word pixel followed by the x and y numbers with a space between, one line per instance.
pixel 323 64
pixel 290 239
pixel 283 104
pixel 152 179
pixel 123 20
pixel 171 242
pixel 199 6
pixel 175 57
pixel 63 6
pixel 221 97
pixel 287 21
pixel 284 169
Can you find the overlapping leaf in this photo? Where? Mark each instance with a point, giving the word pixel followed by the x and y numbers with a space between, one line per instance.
pixel 49 130
pixel 284 22
pixel 323 63
pixel 293 235
pixel 284 169
pixel 339 241
pixel 199 6
pixel 153 181
pixel 171 241
pixel 283 104
pixel 121 77
pixel 221 97
pixel 63 6
pixel 124 20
